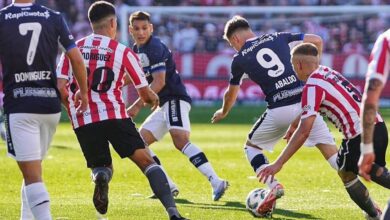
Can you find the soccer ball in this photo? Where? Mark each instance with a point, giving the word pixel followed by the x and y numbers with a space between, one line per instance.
pixel 254 199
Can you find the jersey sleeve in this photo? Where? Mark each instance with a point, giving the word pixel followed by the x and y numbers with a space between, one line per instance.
pixel 312 97
pixel 237 73
pixel 292 39
pixel 158 58
pixel 379 65
pixel 64 67
pixel 133 68
pixel 66 39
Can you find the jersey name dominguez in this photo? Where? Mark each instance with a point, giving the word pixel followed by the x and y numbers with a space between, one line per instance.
pixel 156 57
pixel 31 33
pixel 266 61
pixel 107 62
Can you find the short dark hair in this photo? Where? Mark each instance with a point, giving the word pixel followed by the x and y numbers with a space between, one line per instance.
pixel 305 49
pixel 100 10
pixel 234 24
pixel 139 15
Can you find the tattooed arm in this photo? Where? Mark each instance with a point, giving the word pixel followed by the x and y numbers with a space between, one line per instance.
pixel 367 117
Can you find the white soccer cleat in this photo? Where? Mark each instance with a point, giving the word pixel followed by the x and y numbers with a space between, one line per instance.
pixel 220 190
pixel 269 201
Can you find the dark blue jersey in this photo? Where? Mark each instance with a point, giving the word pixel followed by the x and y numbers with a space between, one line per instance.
pixel 156 57
pixel 266 61
pixel 29 37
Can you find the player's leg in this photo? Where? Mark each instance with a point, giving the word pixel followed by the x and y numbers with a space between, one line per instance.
pixel 25 211
pixel 153 129
pixel 95 147
pixel 379 173
pixel 321 137
pixel 26 146
pixel 128 143
pixel 347 159
pixel 178 123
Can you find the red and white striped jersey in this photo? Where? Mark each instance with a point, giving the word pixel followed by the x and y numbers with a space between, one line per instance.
pixel 328 92
pixel 107 62
pixel 379 66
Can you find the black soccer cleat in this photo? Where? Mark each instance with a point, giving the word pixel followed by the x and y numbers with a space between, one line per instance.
pixel 174 217
pixel 100 194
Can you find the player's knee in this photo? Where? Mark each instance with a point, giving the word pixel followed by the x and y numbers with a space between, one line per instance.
pixel 346 177
pixel 180 139
pixel 147 136
pixel 255 157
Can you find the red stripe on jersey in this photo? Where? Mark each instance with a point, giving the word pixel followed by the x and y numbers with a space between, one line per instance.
pixel 382 57
pixel 343 92
pixel 65 66
pixel 103 96
pixel 344 111
pixel 118 93
pixel 94 109
pixel 129 66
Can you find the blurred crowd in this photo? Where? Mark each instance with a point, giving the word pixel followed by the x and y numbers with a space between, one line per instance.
pixel 186 33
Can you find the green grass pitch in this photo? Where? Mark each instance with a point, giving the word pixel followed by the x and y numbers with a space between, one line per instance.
pixel 313 189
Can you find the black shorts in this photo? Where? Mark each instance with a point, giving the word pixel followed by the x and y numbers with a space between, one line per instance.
pixel 349 152
pixel 94 140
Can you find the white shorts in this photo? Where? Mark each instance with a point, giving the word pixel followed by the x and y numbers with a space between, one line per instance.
pixel 29 135
pixel 273 124
pixel 174 114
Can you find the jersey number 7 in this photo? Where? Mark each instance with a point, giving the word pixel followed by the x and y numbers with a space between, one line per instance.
pixel 36 31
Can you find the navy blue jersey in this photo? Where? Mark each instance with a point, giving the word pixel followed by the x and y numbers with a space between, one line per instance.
pixel 266 61
pixel 156 57
pixel 29 37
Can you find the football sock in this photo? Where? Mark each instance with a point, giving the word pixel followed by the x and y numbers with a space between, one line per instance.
pixel 26 213
pixel 105 170
pixel 258 161
pixel 199 160
pixel 159 184
pixel 380 175
pixel 38 200
pixel 155 158
pixel 359 194
pixel 332 160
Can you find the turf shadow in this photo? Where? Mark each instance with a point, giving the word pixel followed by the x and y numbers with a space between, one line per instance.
pixel 292 215
pixel 236 206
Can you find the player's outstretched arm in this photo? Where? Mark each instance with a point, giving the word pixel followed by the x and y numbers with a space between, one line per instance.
pixel 316 40
pixel 80 73
pixel 229 99
pixel 297 140
pixel 368 112
pixel 148 96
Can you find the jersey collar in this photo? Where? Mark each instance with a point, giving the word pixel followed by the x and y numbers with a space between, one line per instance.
pixel 22 4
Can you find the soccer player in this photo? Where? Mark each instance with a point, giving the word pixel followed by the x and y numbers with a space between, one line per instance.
pixel 29 37
pixel 328 92
pixel 377 73
pixel 173 114
pixel 266 60
pixel 109 63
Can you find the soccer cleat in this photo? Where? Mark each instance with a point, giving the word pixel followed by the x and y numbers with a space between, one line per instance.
pixel 220 190
pixel 100 194
pixel 377 217
pixel 174 191
pixel 174 217
pixel 269 201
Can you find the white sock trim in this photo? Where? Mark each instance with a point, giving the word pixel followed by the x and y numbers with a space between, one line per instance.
pixel 332 160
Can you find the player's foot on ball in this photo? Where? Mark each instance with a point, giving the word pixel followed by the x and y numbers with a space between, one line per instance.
pixel 100 194
pixel 268 202
pixel 174 217
pixel 220 190
pixel 174 191
pixel 377 217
